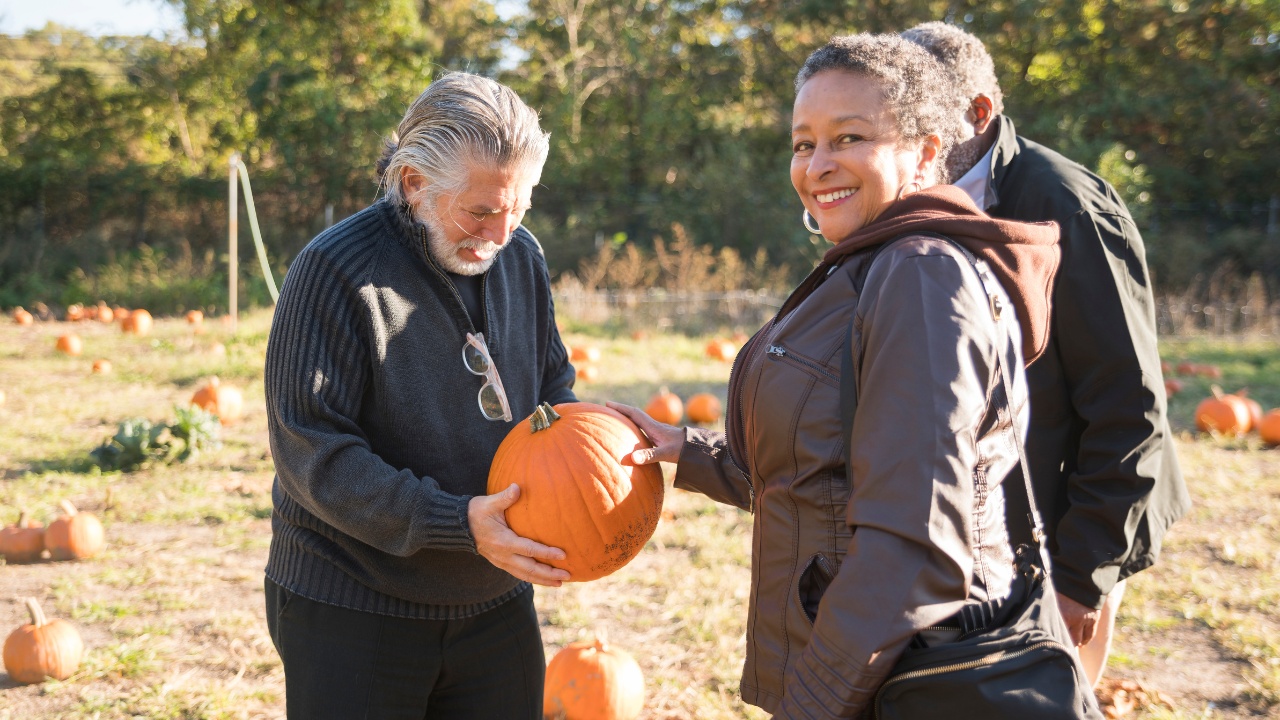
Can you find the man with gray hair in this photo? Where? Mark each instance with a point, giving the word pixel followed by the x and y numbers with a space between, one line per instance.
pixel 407 342
pixel 1101 452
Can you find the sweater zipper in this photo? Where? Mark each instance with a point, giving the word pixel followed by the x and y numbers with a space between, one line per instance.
pixel 484 305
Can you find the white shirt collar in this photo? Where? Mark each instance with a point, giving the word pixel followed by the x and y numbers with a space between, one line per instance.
pixel 974 183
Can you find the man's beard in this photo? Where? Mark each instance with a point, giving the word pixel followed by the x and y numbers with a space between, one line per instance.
pixel 445 252
pixel 963 157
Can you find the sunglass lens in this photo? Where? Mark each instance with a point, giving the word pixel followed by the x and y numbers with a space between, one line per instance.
pixel 475 360
pixel 490 403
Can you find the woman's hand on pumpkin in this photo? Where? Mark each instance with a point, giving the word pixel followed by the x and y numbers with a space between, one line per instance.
pixel 667 439
pixel 498 544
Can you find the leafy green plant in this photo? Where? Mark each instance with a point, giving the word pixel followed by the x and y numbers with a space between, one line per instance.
pixel 138 442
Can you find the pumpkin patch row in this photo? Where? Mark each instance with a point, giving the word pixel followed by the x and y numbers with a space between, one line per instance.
pixel 667 407
pixel 74 535
pixel 1236 414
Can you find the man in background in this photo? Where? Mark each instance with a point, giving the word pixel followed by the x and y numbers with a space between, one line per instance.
pixel 1106 478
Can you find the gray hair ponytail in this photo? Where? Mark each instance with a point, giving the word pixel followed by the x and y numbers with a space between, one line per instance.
pixel 459 120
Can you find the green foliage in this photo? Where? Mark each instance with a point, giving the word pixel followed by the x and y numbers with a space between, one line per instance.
pixel 659 113
pixel 138 442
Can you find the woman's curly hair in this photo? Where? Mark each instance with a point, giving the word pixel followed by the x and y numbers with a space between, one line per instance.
pixel 915 87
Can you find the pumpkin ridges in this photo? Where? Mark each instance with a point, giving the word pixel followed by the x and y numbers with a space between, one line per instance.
pixel 75 535
pixel 587 443
pixel 44 648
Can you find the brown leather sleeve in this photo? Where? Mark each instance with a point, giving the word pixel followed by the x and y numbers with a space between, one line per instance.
pixel 924 353
pixel 705 466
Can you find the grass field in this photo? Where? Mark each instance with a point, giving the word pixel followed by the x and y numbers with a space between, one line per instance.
pixel 172 611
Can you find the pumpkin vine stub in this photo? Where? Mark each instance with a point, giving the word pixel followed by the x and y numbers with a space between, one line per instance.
pixel 543 417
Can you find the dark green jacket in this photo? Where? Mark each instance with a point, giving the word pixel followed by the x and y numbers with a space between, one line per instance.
pixel 1101 452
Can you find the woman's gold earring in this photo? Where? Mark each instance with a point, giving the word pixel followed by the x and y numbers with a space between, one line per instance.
pixel 808 222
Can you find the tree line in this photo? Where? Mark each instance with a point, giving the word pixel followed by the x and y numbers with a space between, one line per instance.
pixel 114 150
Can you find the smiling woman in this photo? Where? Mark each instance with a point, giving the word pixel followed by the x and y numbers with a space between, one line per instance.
pixel 865 536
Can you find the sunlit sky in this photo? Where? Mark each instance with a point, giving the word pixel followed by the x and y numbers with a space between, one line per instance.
pixel 114 17
pixel 96 17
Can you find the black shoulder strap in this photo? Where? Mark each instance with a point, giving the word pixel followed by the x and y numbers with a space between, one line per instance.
pixel 849 392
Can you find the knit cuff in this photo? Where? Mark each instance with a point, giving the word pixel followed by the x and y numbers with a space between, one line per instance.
pixel 447 525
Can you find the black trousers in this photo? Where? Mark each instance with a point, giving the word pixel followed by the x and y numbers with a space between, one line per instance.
pixel 342 664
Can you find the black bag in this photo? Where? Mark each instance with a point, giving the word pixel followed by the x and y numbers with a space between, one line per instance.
pixel 1013 657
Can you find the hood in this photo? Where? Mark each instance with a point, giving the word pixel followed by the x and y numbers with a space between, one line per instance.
pixel 1024 256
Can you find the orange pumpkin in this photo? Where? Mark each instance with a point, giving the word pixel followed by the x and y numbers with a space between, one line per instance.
pixel 22 317
pixel 740 338
pixel 101 366
pixel 1255 410
pixel 1226 414
pixel 195 317
pixel 1172 387
pixel 593 681
pixel 640 335
pixel 44 649
pixel 23 542
pixel 1269 428
pixel 137 322
pixel 579 490
pixel 75 312
pixel 587 373
pixel 665 407
pixel 585 354
pixel 721 349
pixel 103 313
pixel 75 535
pixel 120 313
pixel 1209 371
pixel 224 401
pixel 704 408
pixel 70 344
pixel 1186 367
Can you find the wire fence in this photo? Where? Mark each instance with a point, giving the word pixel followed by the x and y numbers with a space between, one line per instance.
pixel 703 313
pixel 686 312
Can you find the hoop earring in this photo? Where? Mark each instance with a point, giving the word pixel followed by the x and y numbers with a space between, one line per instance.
pixel 901 190
pixel 807 220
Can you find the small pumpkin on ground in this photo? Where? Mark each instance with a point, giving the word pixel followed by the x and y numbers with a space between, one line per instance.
pixel 1172 386
pixel 222 400
pixel 101 366
pixel 579 490
pixel 103 314
pixel 721 349
pixel 75 535
pixel 22 317
pixel 587 373
pixel 1223 413
pixel 1255 410
pixel 43 649
pixel 195 317
pixel 75 312
pixel 22 542
pixel 704 408
pixel 1269 428
pixel 593 680
pixel 665 407
pixel 70 344
pixel 589 354
pixel 137 322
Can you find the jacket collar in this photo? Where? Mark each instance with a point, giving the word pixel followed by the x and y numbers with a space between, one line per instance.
pixel 1006 149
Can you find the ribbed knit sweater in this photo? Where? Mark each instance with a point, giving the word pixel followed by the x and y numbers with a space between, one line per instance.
pixel 377 436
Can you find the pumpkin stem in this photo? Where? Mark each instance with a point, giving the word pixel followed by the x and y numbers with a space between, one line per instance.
pixel 22 518
pixel 1216 390
pixel 37 615
pixel 543 417
pixel 68 508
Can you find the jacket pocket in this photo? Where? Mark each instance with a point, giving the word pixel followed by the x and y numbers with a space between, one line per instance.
pixel 810 366
pixel 814 581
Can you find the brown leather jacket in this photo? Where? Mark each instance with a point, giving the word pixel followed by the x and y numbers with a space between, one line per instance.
pixel 842 577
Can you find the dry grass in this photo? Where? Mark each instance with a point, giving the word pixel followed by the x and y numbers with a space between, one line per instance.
pixel 172 612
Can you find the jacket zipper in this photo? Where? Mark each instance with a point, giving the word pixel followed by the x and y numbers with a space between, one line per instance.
pixel 781 353
pixel 986 660
pixel 745 353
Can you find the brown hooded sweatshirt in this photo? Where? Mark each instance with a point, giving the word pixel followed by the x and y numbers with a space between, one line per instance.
pixel 1024 256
